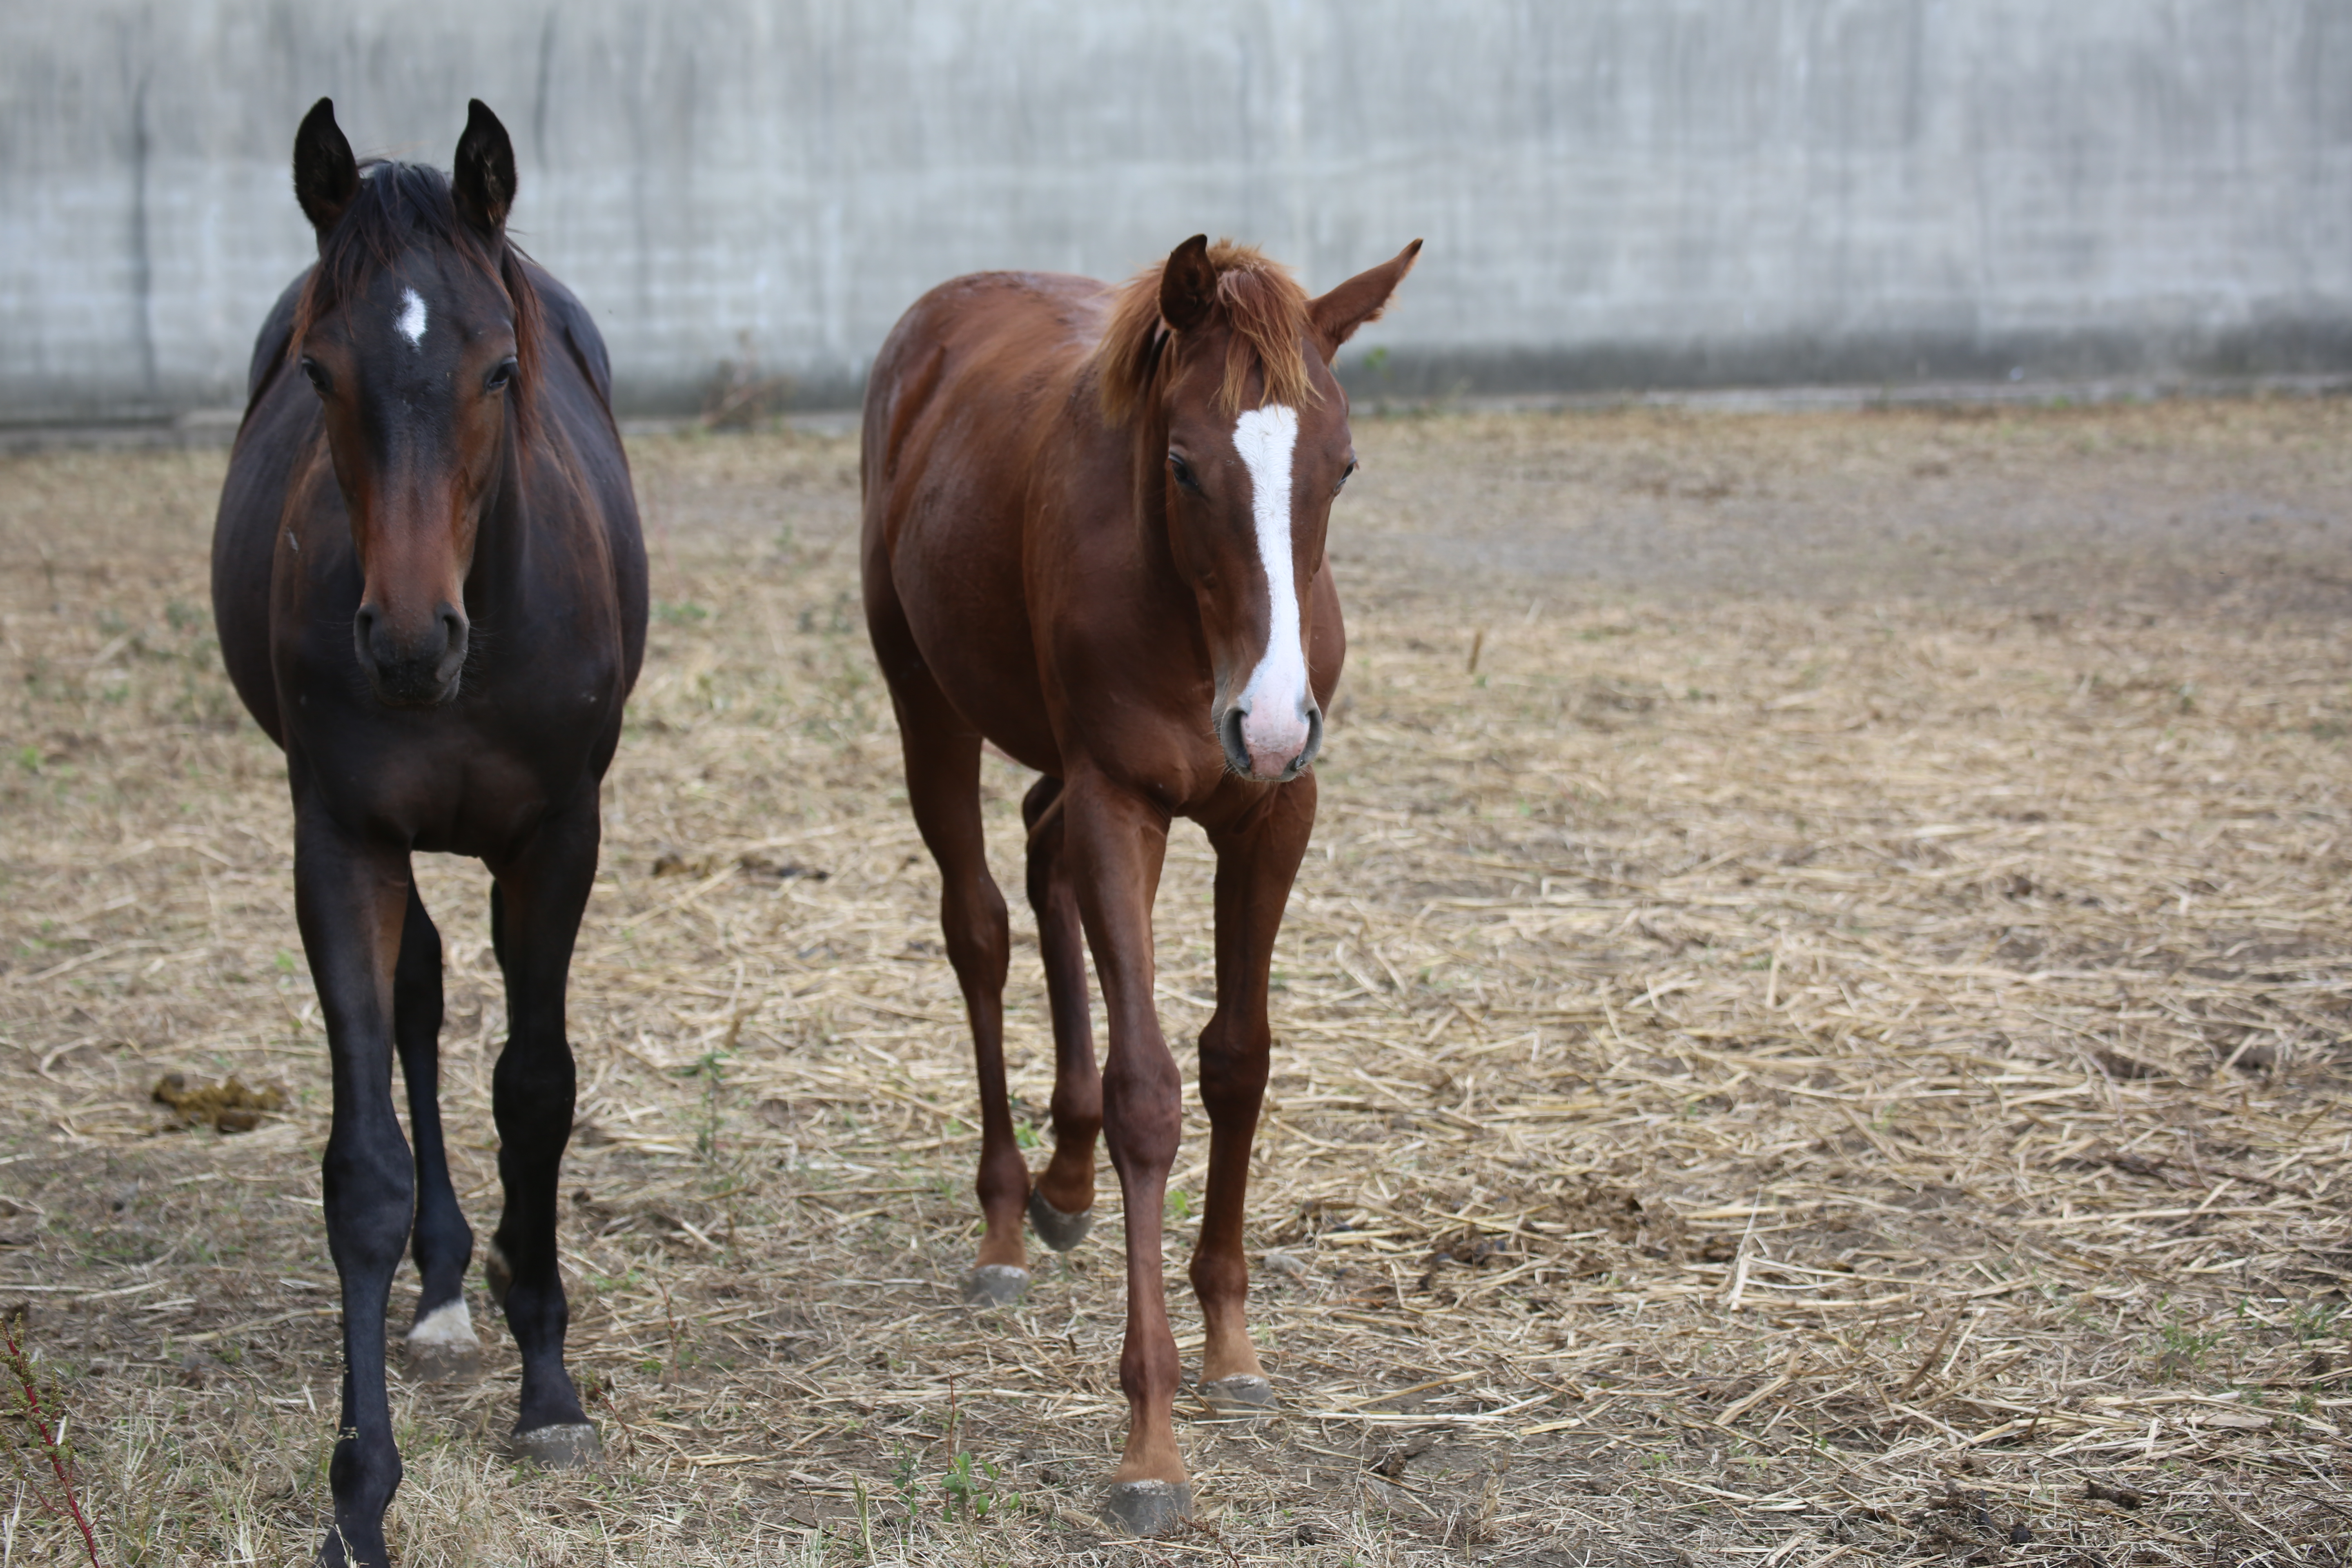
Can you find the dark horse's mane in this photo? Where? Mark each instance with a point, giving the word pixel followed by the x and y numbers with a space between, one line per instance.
pixel 1264 304
pixel 399 207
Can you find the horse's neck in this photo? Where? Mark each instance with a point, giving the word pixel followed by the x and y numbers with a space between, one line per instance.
pixel 1148 506
pixel 503 544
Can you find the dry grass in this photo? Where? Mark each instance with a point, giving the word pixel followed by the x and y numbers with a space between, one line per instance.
pixel 1828 1044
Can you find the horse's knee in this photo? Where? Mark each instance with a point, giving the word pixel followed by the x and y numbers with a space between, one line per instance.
pixel 532 1076
pixel 369 1189
pixel 1143 1110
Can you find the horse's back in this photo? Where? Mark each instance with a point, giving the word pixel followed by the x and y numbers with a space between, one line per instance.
pixel 960 410
pixel 576 392
pixel 1009 339
pixel 281 423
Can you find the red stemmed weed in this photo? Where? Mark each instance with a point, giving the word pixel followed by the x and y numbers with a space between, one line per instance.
pixel 34 1433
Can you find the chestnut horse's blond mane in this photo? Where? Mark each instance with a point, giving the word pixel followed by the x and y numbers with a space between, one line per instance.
pixel 1262 302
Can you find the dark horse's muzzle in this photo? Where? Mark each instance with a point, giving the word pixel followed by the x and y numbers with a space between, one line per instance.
pixel 419 670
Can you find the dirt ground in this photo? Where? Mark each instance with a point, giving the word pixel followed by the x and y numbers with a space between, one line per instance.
pixel 1815 1029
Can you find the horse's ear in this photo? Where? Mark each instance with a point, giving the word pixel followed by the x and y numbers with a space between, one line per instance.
pixel 1360 299
pixel 326 175
pixel 482 178
pixel 1188 285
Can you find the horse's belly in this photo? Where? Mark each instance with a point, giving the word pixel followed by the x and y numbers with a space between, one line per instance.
pixel 958 582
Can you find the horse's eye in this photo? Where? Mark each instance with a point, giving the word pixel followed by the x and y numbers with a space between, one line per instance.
pixel 500 374
pixel 1345 474
pixel 1185 475
pixel 316 374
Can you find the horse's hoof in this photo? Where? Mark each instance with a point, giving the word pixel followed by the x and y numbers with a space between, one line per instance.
pixel 994 1284
pixel 442 1347
pixel 340 1551
pixel 1244 1398
pixel 1057 1230
pixel 571 1446
pixel 498 1277
pixel 1149 1508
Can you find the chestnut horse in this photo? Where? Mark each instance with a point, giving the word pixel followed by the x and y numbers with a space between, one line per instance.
pixel 1094 537
pixel 431 593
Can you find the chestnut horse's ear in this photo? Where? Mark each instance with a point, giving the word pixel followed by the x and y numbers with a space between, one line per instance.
pixel 1188 285
pixel 482 177
pixel 326 175
pixel 1360 299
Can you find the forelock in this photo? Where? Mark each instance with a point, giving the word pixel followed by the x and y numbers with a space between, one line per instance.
pixel 401 207
pixel 1259 302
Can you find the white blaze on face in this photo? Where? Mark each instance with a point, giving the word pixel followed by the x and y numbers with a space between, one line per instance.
pixel 1274 721
pixel 412 318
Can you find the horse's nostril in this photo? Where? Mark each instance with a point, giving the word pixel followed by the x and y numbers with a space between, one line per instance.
pixel 1314 738
pixel 1229 736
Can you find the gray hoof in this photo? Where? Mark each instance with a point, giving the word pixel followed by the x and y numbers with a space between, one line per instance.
pixel 1149 1508
pixel 444 1364
pixel 442 1347
pixel 1239 1398
pixel 574 1446
pixel 994 1284
pixel 1057 1230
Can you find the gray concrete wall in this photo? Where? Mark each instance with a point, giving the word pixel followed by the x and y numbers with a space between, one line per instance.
pixel 1616 193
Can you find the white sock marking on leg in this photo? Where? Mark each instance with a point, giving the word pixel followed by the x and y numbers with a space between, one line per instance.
pixel 446 1324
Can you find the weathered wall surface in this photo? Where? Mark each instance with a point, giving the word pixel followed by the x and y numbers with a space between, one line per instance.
pixel 1616 193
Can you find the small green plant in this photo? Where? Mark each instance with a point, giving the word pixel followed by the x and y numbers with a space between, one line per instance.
pixel 970 1487
pixel 685 613
pixel 711 1068
pixel 2317 1319
pixel 1179 1204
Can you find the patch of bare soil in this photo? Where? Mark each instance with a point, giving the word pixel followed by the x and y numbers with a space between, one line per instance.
pixel 1815 1029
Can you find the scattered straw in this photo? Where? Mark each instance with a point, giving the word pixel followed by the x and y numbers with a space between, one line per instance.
pixel 1814 1029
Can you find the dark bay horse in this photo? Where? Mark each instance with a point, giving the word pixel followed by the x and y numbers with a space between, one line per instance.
pixel 431 593
pixel 1093 536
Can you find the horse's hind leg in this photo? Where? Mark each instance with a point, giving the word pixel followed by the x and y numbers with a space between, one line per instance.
pixel 350 899
pixel 1061 1204
pixel 535 918
pixel 1258 859
pixel 943 755
pixel 441 1343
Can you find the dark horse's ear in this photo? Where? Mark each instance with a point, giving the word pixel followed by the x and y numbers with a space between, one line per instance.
pixel 326 175
pixel 1360 299
pixel 1188 285
pixel 482 179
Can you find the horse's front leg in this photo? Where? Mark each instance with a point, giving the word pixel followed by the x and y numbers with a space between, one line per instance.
pixel 349 899
pixel 1117 841
pixel 535 908
pixel 1258 859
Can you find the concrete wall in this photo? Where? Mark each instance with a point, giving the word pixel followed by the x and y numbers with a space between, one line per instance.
pixel 1616 193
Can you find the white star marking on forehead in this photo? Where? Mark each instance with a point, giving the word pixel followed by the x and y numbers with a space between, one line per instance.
pixel 412 318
